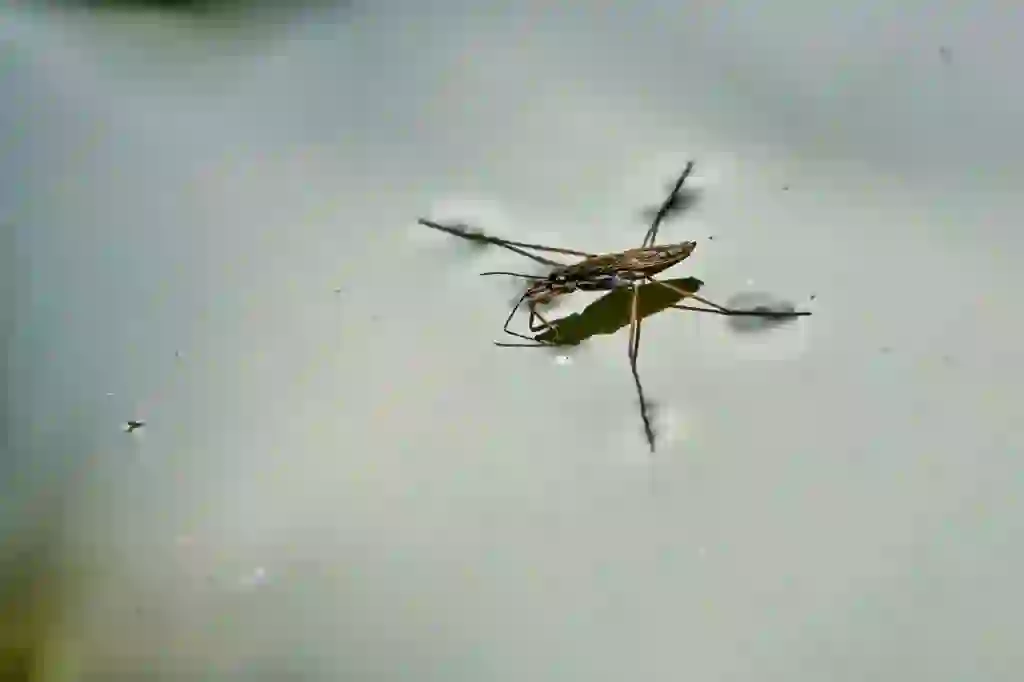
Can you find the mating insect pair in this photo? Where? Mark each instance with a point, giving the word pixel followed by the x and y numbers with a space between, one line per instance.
pixel 630 269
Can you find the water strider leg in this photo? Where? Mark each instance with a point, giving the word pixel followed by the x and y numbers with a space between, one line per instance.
pixel 544 323
pixel 534 343
pixel 514 246
pixel 722 310
pixel 634 351
pixel 666 207
pixel 508 321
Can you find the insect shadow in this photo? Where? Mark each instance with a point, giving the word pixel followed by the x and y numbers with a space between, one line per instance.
pixel 613 312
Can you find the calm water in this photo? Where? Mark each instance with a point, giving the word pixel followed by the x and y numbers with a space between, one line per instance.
pixel 214 230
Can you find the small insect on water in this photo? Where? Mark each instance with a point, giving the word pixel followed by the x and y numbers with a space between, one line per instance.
pixel 629 269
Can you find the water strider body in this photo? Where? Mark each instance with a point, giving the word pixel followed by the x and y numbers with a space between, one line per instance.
pixel 600 272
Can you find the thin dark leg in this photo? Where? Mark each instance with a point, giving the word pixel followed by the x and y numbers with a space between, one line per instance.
pixel 534 343
pixel 771 314
pixel 508 320
pixel 514 246
pixel 634 351
pixel 544 323
pixel 722 310
pixel 666 207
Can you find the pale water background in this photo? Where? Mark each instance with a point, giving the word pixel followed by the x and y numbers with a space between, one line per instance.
pixel 212 227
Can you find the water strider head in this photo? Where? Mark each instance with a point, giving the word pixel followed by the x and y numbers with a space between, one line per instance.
pixel 543 291
pixel 562 282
